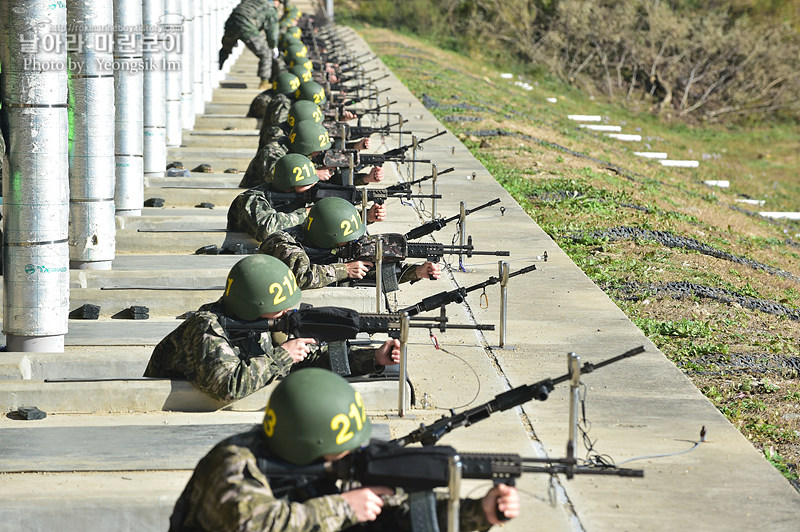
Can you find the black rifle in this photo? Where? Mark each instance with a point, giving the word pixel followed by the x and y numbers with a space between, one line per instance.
pixel 286 201
pixel 458 295
pixel 437 224
pixel 397 248
pixel 343 89
pixel 417 469
pixel 540 391
pixel 334 324
pixel 355 132
pixel 341 159
pixel 355 99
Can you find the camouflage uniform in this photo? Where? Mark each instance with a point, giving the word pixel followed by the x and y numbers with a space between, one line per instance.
pixel 226 368
pixel 253 213
pixel 275 116
pixel 259 104
pixel 228 491
pixel 246 23
pixel 259 171
pixel 289 247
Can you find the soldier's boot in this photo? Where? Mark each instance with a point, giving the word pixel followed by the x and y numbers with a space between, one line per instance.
pixel 223 55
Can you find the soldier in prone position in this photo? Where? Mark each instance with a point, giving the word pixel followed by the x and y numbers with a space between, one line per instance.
pixel 309 250
pixel 229 367
pixel 254 212
pixel 232 489
pixel 255 23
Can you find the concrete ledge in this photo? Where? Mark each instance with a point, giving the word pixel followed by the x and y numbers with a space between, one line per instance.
pixel 151 395
pixel 189 196
pixel 179 241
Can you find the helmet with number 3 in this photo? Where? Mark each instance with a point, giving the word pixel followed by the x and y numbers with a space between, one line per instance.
pixel 307 136
pixel 312 413
pixel 332 221
pixel 293 170
pixel 259 284
pixel 304 110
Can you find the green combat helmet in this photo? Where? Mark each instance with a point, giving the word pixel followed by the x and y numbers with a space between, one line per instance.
pixel 311 91
pixel 307 136
pixel 304 61
pixel 285 83
pixel 332 221
pixel 304 110
pixel 302 72
pixel 293 170
pixel 295 51
pixel 312 413
pixel 294 31
pixel 287 40
pixel 259 284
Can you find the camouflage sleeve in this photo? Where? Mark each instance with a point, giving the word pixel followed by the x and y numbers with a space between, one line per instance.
pixel 362 360
pixel 408 273
pixel 271 27
pixel 309 275
pixel 200 351
pixel 229 492
pixel 259 170
pixel 252 213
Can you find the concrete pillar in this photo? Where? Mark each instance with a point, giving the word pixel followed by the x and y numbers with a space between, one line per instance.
pixel 92 123
pixel 187 66
pixel 129 98
pixel 172 38
pixel 209 50
pixel 155 87
pixel 36 185
pixel 198 48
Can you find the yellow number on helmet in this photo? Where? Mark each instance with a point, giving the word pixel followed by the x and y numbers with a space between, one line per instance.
pixel 269 422
pixel 341 423
pixel 279 297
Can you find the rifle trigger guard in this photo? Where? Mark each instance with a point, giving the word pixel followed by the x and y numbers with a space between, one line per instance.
pixel 484 299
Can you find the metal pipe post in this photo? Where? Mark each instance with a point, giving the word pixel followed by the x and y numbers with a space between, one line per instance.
pixel 435 173
pixel 378 274
pixel 129 100
pixel 401 409
pixel 454 496
pixel 503 274
pixel 172 41
pixel 155 91
pixel 462 230
pixel 36 185
pixel 92 229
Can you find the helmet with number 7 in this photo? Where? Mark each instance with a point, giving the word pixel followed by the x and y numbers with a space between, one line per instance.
pixel 259 284
pixel 293 170
pixel 307 136
pixel 332 221
pixel 312 413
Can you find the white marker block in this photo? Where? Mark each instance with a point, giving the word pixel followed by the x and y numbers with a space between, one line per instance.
pixel 651 154
pixel 724 183
pixel 585 118
pixel 682 164
pixel 506 75
pixel 601 128
pixel 758 202
pixel 552 100
pixel 625 137
pixel 785 215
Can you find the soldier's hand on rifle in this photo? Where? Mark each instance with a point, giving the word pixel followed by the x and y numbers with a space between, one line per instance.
pixel 324 174
pixel 366 502
pixel 376 213
pixel 375 175
pixel 389 353
pixel 299 348
pixel 500 498
pixel 347 115
pixel 358 269
pixel 363 144
pixel 429 270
